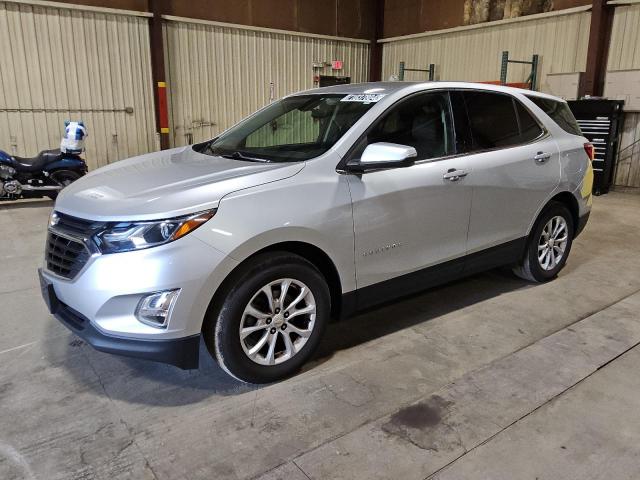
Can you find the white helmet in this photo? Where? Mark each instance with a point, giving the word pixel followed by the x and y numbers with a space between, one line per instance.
pixel 73 138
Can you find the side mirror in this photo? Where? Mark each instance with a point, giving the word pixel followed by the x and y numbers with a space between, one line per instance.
pixel 382 155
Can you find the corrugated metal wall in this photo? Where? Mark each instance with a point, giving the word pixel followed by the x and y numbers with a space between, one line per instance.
pixel 219 74
pixel 56 61
pixel 628 167
pixel 475 54
pixel 624 49
pixel 624 54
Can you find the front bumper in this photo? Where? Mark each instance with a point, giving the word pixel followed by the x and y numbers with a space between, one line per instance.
pixel 100 301
pixel 181 352
pixel 109 287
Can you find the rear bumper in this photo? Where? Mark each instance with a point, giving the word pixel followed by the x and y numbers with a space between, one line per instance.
pixel 181 352
pixel 582 222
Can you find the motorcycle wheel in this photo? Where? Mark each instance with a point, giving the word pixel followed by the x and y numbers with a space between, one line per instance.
pixel 63 178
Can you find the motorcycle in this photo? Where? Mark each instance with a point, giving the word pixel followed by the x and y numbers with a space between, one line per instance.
pixel 48 172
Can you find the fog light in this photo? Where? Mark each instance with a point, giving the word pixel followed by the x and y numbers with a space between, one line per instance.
pixel 154 309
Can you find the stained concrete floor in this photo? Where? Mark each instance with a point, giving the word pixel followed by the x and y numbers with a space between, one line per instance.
pixel 485 378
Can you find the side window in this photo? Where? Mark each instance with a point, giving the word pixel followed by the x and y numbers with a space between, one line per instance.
pixel 421 121
pixel 559 112
pixel 530 129
pixel 493 120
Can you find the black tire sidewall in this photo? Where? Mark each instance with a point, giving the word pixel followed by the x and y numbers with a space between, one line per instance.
pixel 553 210
pixel 57 173
pixel 223 329
pixel 62 173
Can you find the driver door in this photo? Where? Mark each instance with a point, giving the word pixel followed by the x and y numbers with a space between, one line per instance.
pixel 410 224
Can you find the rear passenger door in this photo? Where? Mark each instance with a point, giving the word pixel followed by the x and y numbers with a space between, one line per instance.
pixel 515 165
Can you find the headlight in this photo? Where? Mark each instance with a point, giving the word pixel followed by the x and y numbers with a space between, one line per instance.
pixel 127 236
pixel 54 218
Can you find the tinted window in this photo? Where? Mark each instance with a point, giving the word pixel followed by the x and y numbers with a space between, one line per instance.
pixel 559 112
pixel 529 127
pixel 422 121
pixel 493 120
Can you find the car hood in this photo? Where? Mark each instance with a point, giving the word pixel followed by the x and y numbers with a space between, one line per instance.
pixel 164 184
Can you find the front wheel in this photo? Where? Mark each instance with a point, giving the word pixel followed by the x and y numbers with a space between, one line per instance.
pixel 271 319
pixel 548 245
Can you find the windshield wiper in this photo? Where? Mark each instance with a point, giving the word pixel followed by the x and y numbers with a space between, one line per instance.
pixel 242 156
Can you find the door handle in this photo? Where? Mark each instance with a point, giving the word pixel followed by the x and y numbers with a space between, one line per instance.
pixel 541 157
pixel 454 175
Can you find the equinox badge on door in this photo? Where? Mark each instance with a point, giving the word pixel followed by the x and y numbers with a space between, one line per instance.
pixel 384 249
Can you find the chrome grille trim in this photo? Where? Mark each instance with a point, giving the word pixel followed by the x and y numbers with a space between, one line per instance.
pixel 69 246
pixel 65 256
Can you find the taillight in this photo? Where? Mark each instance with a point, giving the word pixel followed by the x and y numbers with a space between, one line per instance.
pixel 591 151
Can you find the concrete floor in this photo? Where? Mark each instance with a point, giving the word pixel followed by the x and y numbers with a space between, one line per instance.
pixel 486 378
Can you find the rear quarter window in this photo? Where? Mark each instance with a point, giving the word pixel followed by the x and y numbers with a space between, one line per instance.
pixel 559 113
pixel 529 127
pixel 492 119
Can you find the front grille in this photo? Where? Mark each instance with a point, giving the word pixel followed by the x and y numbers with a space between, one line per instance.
pixel 64 256
pixel 69 245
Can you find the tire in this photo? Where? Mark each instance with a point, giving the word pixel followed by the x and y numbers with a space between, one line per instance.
pixel 64 178
pixel 536 269
pixel 244 290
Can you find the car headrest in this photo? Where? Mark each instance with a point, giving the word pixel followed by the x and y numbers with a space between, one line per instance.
pixel 426 124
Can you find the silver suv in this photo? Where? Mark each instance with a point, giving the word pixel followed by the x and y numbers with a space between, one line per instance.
pixel 320 204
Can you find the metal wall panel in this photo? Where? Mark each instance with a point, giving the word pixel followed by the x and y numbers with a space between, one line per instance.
pixel 624 54
pixel 58 61
pixel 217 74
pixel 474 54
pixel 624 49
pixel 628 166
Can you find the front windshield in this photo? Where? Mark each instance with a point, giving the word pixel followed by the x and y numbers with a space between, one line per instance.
pixel 292 129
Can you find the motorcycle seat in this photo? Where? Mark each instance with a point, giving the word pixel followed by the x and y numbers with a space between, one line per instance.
pixel 39 161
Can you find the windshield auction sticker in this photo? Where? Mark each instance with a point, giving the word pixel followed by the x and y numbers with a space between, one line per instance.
pixel 364 97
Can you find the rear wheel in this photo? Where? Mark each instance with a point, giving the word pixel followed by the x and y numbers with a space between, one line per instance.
pixel 271 318
pixel 63 178
pixel 548 245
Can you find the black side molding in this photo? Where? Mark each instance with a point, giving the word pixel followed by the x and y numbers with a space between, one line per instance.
pixel 414 282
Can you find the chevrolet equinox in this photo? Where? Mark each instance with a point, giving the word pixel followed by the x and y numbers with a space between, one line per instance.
pixel 318 205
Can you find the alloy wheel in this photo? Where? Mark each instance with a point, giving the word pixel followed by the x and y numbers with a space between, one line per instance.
pixel 277 321
pixel 553 243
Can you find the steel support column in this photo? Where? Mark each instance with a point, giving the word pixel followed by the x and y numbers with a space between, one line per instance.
pixel 375 51
pixel 599 35
pixel 158 73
